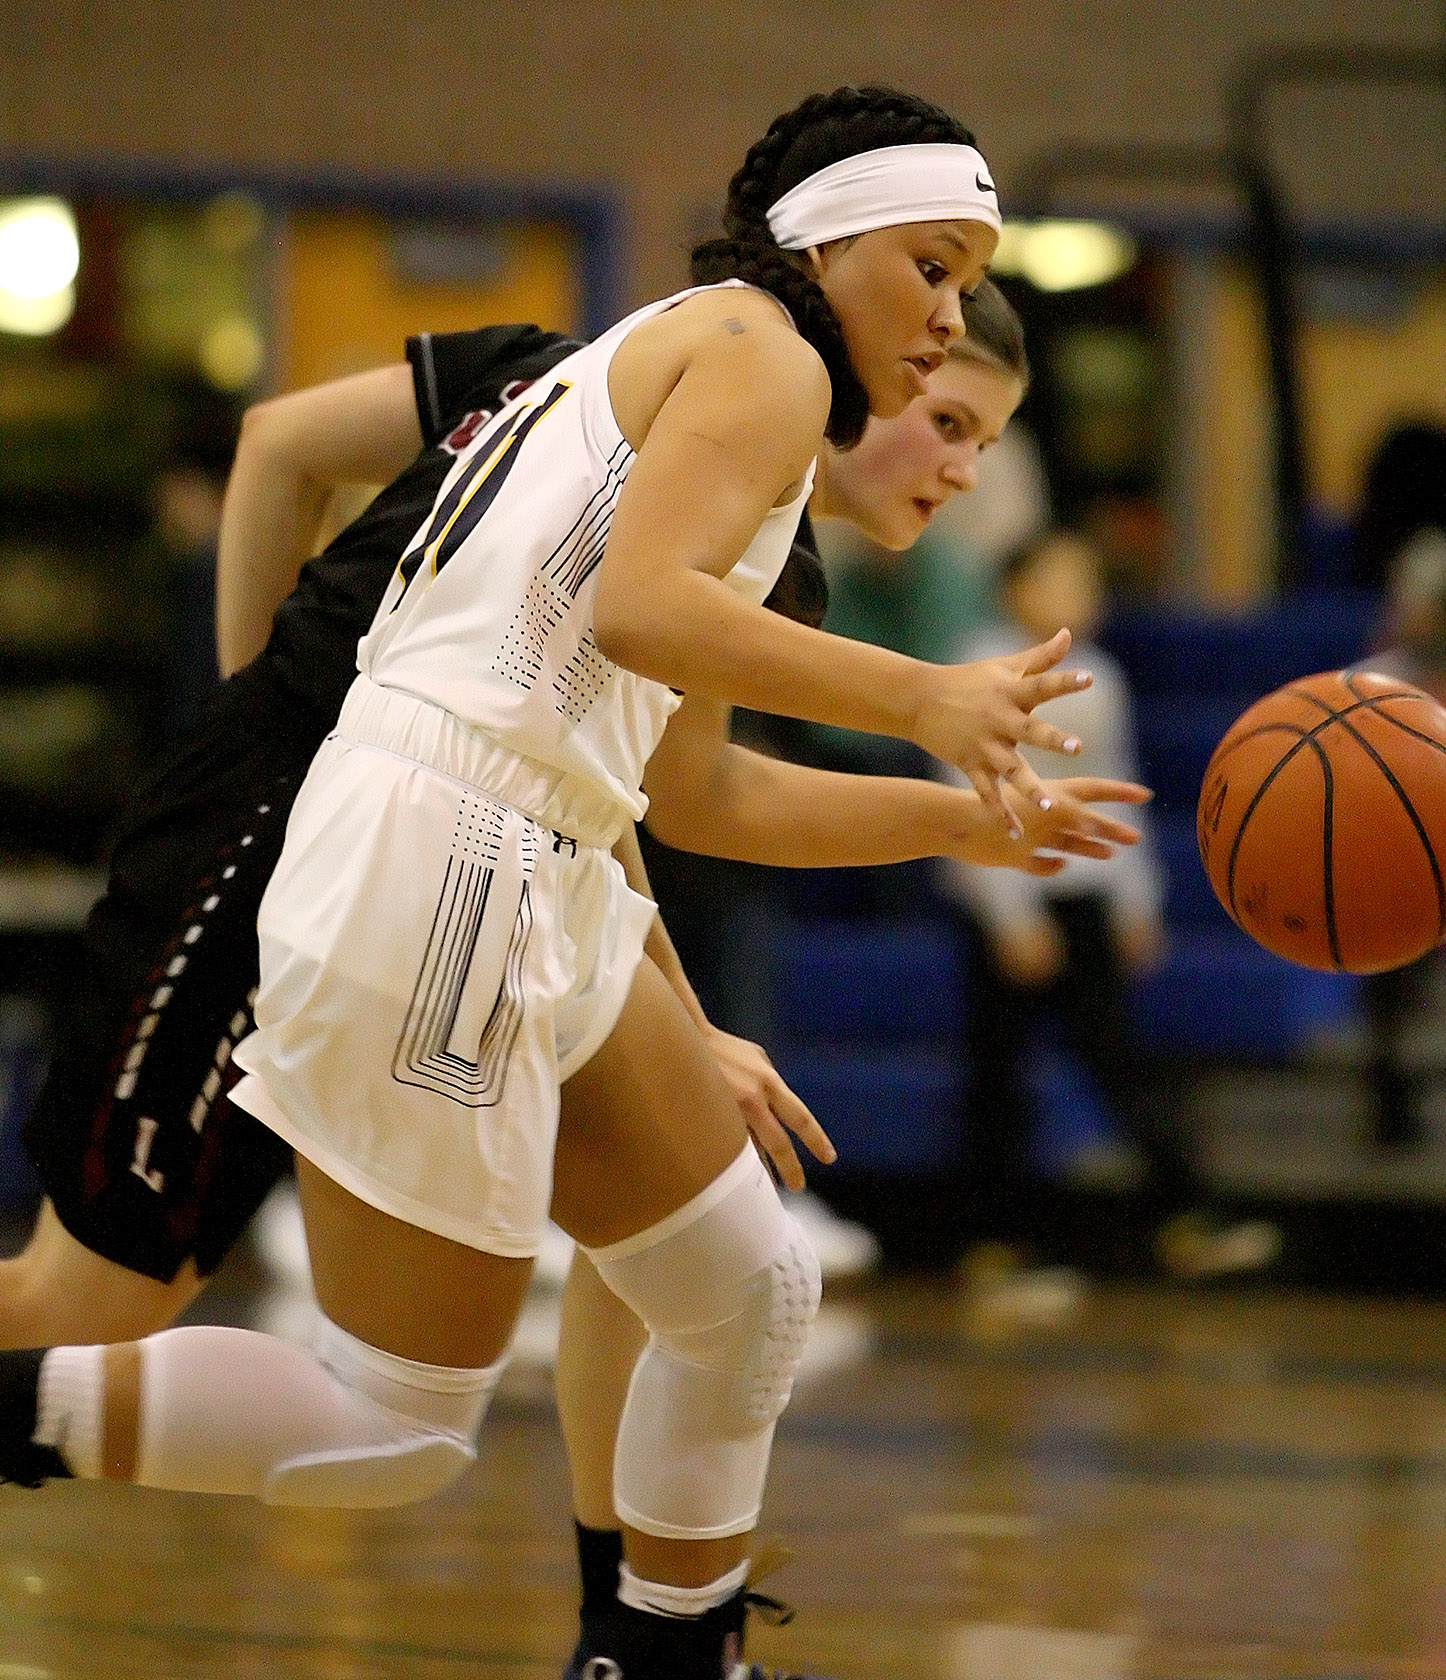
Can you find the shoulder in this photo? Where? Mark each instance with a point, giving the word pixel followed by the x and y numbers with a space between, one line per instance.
pixel 741 324
pixel 743 344
pixel 736 354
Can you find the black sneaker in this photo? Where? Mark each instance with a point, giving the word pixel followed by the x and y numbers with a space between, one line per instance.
pixel 604 1668
pixel 609 1633
pixel 23 1461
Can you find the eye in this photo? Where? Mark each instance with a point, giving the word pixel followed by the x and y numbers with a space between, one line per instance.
pixel 949 426
pixel 934 272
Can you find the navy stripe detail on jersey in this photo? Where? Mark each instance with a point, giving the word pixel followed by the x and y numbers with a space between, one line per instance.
pixel 447 507
pixel 575 557
pixel 475 507
pixel 423 1056
pixel 462 936
pixel 457 514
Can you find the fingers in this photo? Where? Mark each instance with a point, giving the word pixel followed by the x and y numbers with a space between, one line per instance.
pixel 986 782
pixel 1081 845
pixel 776 1147
pixel 1031 691
pixel 772 1112
pixel 1073 818
pixel 1023 781
pixel 1099 790
pixel 1037 733
pixel 802 1124
pixel 1041 864
pixel 1040 658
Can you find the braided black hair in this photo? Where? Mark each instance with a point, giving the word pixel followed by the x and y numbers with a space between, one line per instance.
pixel 825 128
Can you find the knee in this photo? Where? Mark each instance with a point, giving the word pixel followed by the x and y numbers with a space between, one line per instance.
pixel 761 1346
pixel 343 1424
pixel 729 1294
pixel 409 1429
pixel 728 1288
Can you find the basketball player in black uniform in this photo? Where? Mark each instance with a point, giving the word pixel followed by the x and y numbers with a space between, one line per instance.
pixel 150 1173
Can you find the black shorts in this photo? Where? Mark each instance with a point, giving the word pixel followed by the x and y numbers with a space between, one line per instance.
pixel 145 1159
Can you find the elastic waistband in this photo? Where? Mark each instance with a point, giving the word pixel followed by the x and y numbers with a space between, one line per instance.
pixel 395 722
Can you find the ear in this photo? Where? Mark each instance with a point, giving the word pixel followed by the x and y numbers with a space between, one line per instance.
pixel 815 257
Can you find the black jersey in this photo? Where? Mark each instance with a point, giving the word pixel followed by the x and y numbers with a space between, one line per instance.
pixel 460 380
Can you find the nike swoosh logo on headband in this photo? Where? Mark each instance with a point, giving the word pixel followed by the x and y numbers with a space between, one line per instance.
pixel 983 185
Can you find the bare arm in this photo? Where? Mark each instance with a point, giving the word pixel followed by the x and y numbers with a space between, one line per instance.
pixel 293 451
pixel 709 795
pixel 735 430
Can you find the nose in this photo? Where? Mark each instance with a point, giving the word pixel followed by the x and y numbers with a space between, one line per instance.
pixel 947 323
pixel 961 470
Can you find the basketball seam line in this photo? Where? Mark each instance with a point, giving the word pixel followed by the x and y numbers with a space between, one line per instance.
pixel 1394 783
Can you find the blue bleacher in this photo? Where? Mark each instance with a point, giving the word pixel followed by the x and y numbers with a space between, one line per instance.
pixel 866 1006
pixel 866 1024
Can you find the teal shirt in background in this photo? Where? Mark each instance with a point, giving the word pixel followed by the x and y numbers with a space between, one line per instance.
pixel 922 603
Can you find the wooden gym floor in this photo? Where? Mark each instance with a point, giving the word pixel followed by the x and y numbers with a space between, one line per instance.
pixel 1173 1484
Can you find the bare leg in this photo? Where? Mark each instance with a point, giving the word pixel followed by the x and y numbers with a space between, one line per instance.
pixel 647 1125
pixel 57 1290
pixel 393 1285
pixel 598 1347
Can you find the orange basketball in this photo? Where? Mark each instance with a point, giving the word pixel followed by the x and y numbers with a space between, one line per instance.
pixel 1322 821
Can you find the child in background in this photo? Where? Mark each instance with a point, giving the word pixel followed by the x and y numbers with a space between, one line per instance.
pixel 1070 943
pixel 1409 511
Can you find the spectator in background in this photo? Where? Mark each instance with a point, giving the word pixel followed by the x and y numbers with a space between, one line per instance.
pixel 1400 549
pixel 1404 492
pixel 1070 944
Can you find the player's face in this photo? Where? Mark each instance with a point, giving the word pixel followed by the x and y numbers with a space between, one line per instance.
pixel 896 293
pixel 903 470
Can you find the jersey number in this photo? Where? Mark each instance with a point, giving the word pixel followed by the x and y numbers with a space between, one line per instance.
pixel 458 513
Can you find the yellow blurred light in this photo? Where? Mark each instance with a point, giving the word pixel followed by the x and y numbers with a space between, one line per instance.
pixel 1060 256
pixel 39 247
pixel 35 317
pixel 232 352
pixel 1007 252
pixel 232 221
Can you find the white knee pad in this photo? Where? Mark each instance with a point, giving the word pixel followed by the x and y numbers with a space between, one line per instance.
pixel 728 1287
pixel 229 1411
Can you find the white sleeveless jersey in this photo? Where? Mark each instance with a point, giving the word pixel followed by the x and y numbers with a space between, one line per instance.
pixel 489 614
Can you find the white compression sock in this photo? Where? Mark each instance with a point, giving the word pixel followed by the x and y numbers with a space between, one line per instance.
pixel 70 1407
pixel 663 1600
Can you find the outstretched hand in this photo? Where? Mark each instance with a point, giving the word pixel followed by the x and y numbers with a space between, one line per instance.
pixel 1064 824
pixel 976 716
pixel 770 1107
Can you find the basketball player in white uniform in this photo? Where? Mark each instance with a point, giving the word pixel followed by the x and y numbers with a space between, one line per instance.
pixel 446 877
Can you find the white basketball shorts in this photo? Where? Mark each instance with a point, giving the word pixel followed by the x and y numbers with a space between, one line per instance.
pixel 434 963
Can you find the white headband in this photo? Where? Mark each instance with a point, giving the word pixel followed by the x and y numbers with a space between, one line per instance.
pixel 934 182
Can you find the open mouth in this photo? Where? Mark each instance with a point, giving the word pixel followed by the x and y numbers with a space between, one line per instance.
pixel 925 508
